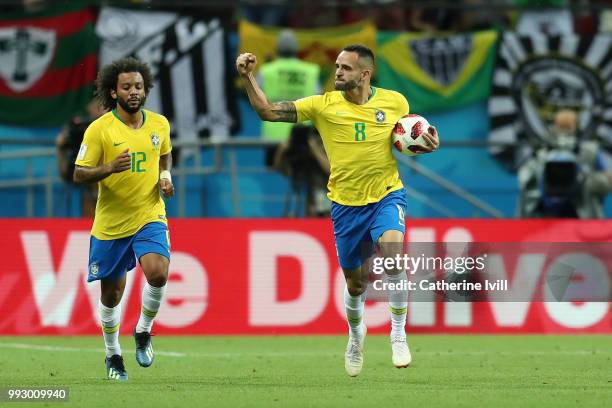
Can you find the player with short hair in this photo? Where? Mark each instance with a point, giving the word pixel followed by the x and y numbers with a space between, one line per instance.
pixel 368 198
pixel 127 152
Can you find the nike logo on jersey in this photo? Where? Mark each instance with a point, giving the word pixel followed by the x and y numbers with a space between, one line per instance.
pixel 117 144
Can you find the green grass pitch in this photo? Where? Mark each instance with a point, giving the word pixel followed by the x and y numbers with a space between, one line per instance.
pixel 308 371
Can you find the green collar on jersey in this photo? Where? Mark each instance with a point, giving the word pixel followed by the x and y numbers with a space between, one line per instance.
pixel 369 97
pixel 144 117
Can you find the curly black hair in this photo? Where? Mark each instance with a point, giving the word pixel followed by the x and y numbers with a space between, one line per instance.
pixel 108 75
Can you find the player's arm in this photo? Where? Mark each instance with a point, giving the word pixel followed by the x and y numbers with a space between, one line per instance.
pixel 317 150
pixel 271 112
pixel 84 174
pixel 165 179
pixel 60 143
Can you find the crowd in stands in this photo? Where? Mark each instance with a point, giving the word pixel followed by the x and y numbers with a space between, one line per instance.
pixel 581 16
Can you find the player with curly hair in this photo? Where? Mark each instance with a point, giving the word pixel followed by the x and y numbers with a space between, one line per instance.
pixel 127 152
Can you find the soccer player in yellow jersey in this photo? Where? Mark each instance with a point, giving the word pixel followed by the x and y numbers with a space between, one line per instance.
pixel 368 198
pixel 127 152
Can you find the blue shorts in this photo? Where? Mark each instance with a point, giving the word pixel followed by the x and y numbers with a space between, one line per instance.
pixel 358 228
pixel 111 259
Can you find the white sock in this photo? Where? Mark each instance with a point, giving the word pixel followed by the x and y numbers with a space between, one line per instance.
pixel 110 318
pixel 151 300
pixel 354 306
pixel 398 305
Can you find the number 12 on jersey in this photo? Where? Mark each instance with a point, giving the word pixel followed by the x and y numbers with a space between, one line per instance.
pixel 137 159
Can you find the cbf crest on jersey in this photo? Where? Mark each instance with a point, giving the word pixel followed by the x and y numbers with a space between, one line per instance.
pixel 155 141
pixel 536 76
pixel 380 116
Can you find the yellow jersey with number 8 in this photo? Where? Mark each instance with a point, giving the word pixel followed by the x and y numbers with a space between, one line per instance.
pixel 130 199
pixel 357 140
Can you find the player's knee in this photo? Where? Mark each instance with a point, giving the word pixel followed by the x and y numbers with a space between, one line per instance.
pixel 111 297
pixel 356 288
pixel 391 244
pixel 157 276
pixel 155 270
pixel 391 237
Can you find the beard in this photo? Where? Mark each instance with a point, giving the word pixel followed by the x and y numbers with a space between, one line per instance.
pixel 131 109
pixel 345 86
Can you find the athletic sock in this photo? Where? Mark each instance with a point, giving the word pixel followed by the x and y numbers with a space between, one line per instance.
pixel 354 306
pixel 398 305
pixel 110 318
pixel 151 300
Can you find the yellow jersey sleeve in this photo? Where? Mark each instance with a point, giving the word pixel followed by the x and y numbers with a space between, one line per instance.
pixel 166 144
pixel 405 107
pixel 91 150
pixel 308 108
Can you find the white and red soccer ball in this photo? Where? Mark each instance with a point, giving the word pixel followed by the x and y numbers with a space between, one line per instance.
pixel 407 135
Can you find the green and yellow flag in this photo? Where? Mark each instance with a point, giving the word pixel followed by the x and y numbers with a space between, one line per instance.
pixel 320 46
pixel 437 72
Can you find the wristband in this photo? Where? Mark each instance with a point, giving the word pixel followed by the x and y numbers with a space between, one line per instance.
pixel 165 174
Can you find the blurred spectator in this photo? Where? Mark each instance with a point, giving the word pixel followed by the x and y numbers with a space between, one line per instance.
pixel 392 18
pixel 313 16
pixel 34 5
pixel 303 159
pixel 566 177
pixel 28 6
pixel 286 79
pixel 605 16
pixel 68 143
pixel 272 14
pixel 551 17
pixel 431 19
pixel 386 14
pixel 585 19
pixel 475 17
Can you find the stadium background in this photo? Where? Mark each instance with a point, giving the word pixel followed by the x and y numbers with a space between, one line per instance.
pixel 229 275
pixel 253 314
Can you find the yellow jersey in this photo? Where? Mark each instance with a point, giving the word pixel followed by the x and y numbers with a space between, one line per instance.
pixel 357 140
pixel 130 199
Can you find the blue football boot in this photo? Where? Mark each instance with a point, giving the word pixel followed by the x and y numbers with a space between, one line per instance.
pixel 115 370
pixel 144 349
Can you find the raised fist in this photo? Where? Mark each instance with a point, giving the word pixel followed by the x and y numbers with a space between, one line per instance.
pixel 245 63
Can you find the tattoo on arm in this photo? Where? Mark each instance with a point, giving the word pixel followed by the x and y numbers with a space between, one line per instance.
pixel 285 112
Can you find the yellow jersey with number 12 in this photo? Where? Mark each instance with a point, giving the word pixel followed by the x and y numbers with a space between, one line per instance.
pixel 130 199
pixel 357 140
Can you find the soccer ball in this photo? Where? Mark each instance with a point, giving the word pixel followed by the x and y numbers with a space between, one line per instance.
pixel 407 134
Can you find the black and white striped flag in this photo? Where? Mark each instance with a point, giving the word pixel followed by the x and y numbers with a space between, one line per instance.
pixel 188 57
pixel 535 76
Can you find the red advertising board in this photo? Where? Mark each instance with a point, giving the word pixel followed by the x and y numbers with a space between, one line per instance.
pixel 267 276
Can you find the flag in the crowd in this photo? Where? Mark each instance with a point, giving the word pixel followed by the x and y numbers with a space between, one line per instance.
pixel 536 76
pixel 320 46
pixel 47 65
pixel 437 72
pixel 188 56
